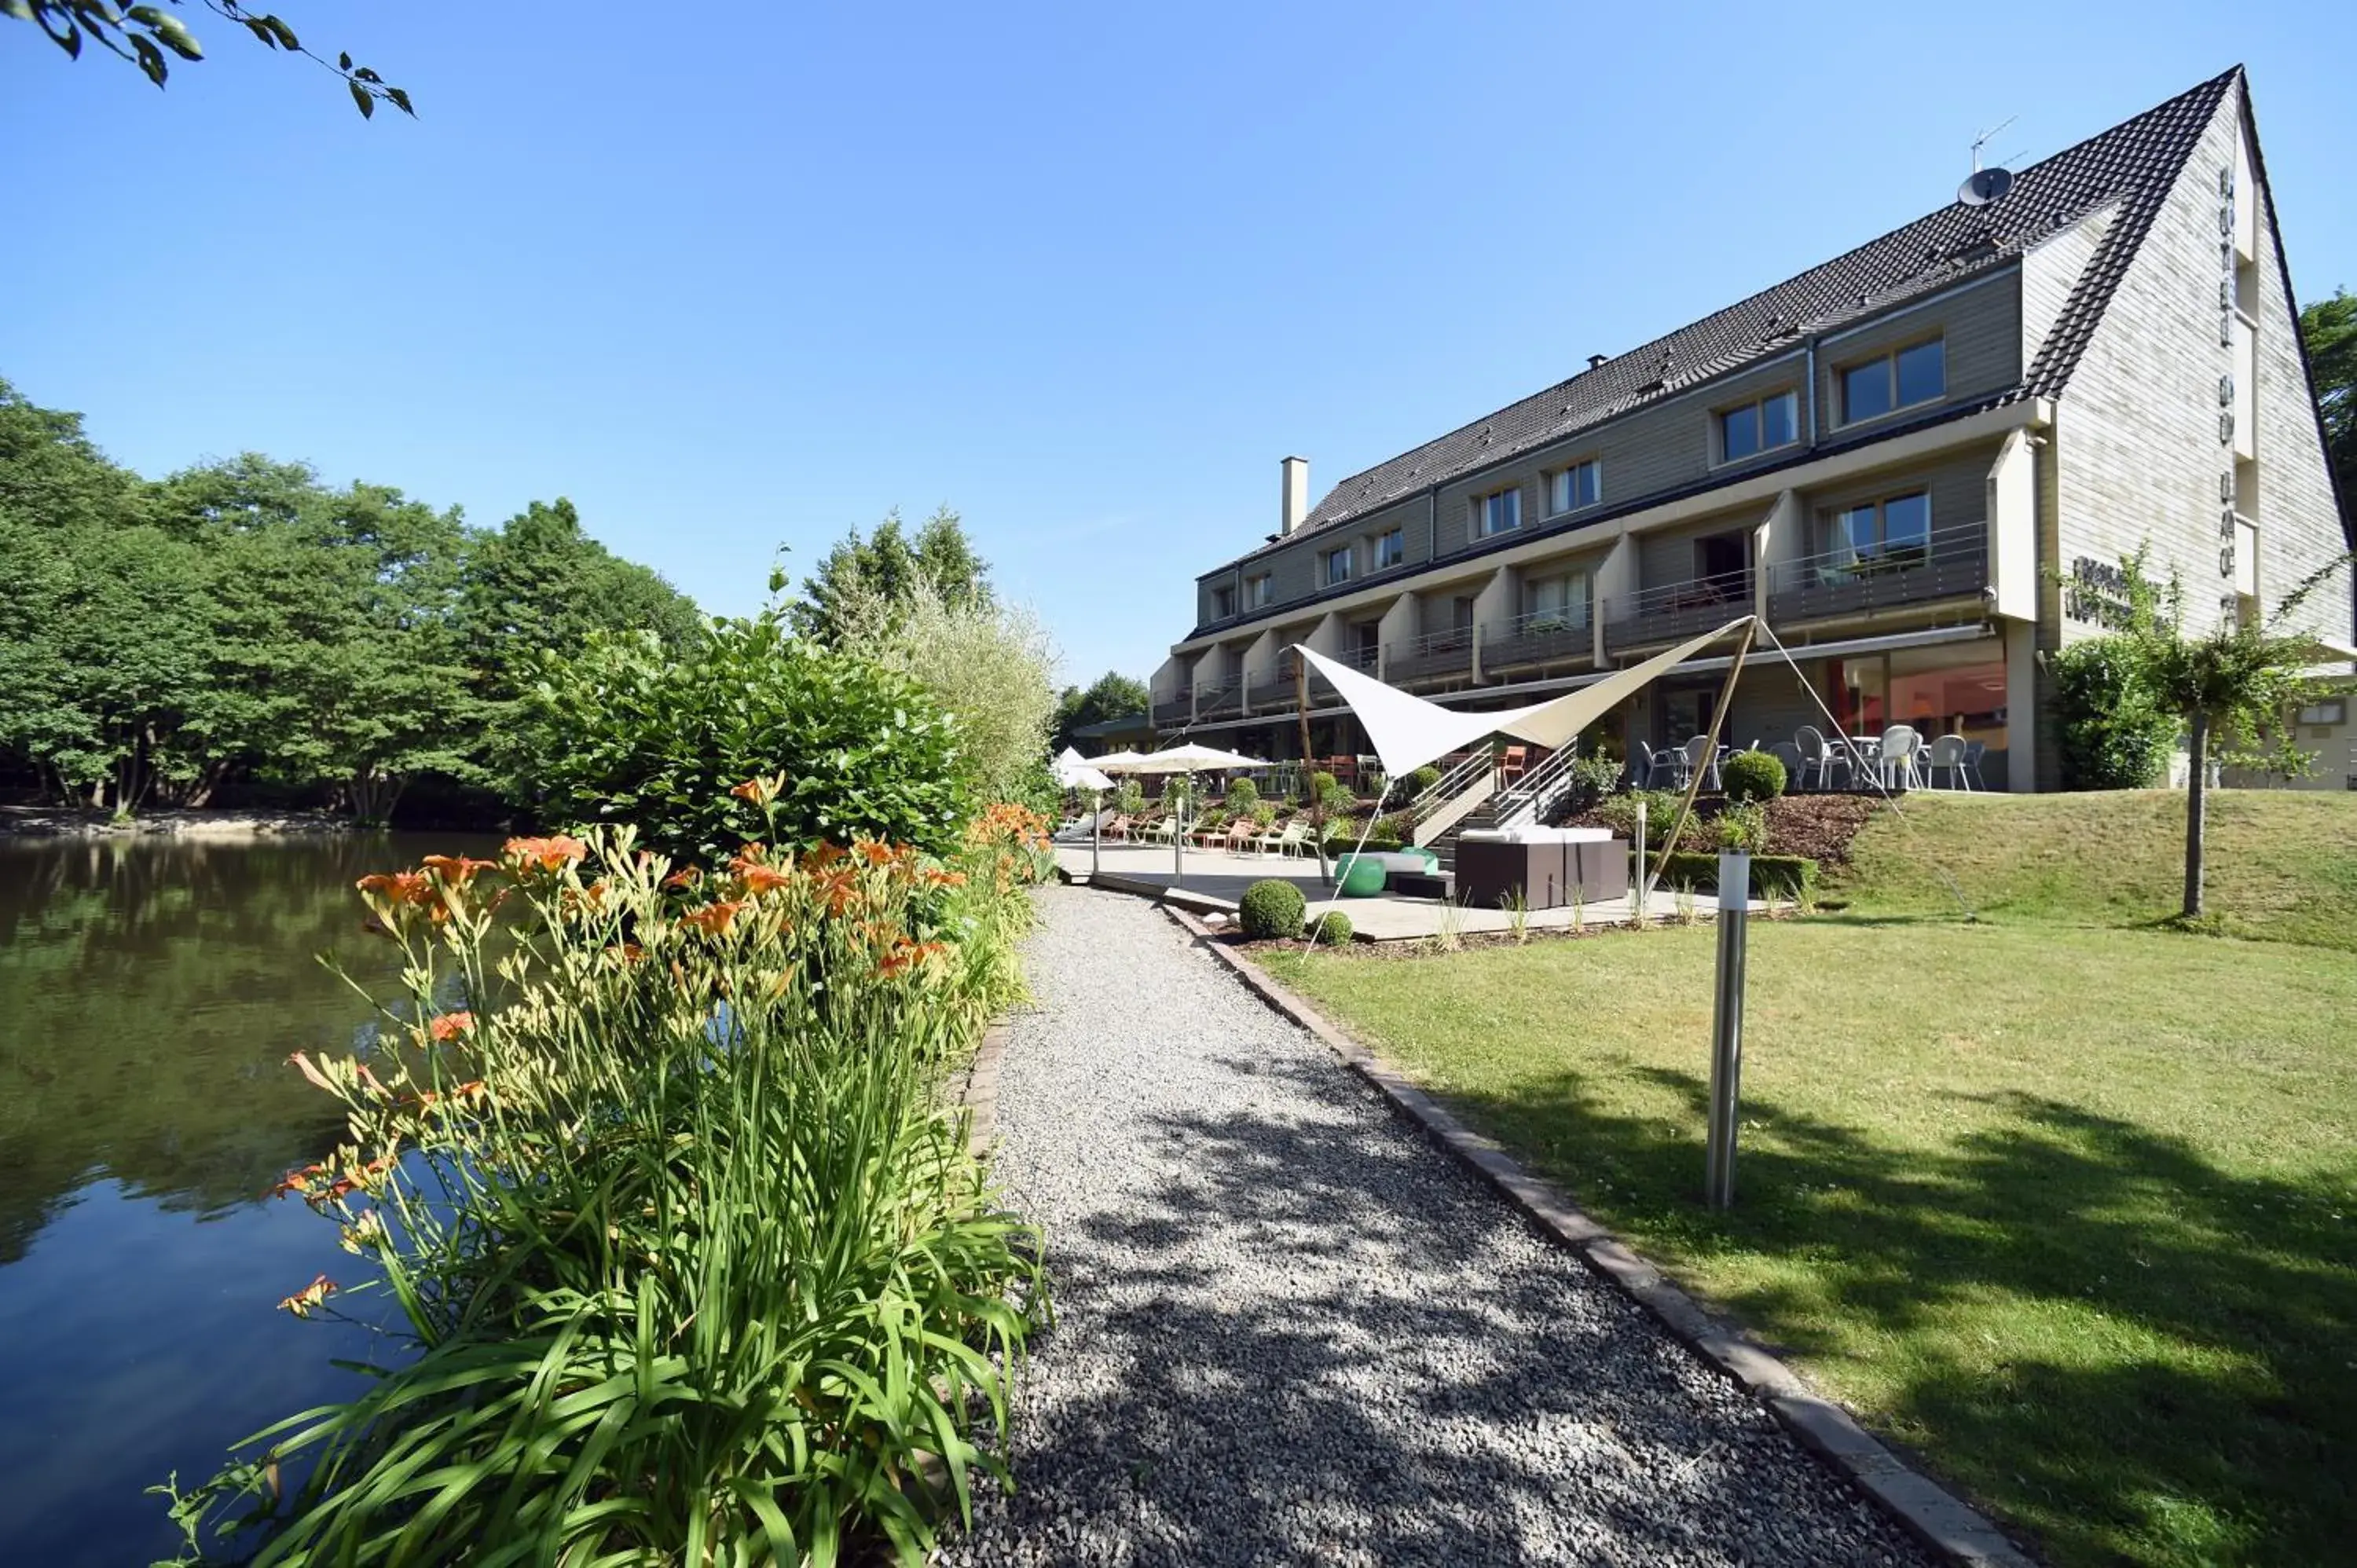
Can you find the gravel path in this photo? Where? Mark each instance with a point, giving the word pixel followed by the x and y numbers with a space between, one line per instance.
pixel 1290 1330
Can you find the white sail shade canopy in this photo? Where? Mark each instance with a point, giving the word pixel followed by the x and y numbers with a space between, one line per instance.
pixel 1408 732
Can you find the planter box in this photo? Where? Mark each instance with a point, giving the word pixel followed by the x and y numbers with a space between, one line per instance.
pixel 1546 871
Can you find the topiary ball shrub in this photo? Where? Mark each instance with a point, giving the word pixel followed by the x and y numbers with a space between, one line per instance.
pixel 1752 775
pixel 1420 781
pixel 1332 928
pixel 1271 911
pixel 1242 794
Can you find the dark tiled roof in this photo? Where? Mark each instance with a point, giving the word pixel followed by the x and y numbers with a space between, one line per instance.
pixel 2134 165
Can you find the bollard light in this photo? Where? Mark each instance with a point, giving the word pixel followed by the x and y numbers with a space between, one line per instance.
pixel 1727 1026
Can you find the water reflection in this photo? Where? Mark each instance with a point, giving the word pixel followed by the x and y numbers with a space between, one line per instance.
pixel 150 993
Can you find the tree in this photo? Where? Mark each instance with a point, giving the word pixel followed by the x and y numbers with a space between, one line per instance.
pixel 990 666
pixel 2233 687
pixel 887 568
pixel 1111 695
pixel 148 36
pixel 2329 326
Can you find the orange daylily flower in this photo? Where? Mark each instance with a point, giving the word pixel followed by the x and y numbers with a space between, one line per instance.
pixel 318 1079
pixel 547 854
pixel 874 852
pixel 826 854
pixel 937 878
pixel 307 1300
pixel 298 1180
pixel 752 855
pixel 456 870
pixel 399 886
pixel 765 879
pixel 713 919
pixel 686 877
pixel 451 1026
pixel 756 790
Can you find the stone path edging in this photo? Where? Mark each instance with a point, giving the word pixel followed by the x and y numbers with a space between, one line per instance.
pixel 977 1089
pixel 1936 1516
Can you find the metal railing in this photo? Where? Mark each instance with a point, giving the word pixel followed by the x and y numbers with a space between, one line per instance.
pixel 1173 710
pixel 1672 610
pixel 1947 562
pixel 1281 689
pixel 1435 653
pixel 1455 779
pixel 1223 697
pixel 1529 800
pixel 1542 637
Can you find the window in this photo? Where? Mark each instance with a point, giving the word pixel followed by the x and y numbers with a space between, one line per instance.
pixel 1918 373
pixel 1558 603
pixel 1756 427
pixel 1223 602
pixel 1338 566
pixel 1259 591
pixel 1893 531
pixel 1500 513
pixel 1568 489
pixel 1390 548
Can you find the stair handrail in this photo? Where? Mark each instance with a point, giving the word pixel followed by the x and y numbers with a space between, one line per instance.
pixel 1458 779
pixel 1528 800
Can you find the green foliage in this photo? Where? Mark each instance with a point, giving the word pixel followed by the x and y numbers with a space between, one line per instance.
pixel 627 734
pixel 150 37
pixel 887 568
pixel 1331 929
pixel 1271 910
pixel 2111 731
pixel 1399 828
pixel 1594 775
pixel 1111 695
pixel 670 1292
pixel 1772 876
pixel 1242 794
pixel 1752 775
pixel 1619 813
pixel 1742 825
pixel 1263 815
pixel 1423 779
pixel 1129 798
pixel 2329 329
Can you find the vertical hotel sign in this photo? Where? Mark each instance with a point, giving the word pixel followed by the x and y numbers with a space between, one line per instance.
pixel 2229 605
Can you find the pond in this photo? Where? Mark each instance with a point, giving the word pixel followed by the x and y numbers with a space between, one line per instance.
pixel 150 991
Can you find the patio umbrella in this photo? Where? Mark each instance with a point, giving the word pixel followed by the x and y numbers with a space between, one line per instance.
pixel 1073 772
pixel 1188 758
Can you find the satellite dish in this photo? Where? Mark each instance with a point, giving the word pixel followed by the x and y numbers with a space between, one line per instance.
pixel 1985 186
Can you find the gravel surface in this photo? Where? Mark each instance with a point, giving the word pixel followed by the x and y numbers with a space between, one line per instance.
pixel 1290 1330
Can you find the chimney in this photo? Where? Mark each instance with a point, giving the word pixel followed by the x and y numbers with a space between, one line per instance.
pixel 1594 360
pixel 1297 494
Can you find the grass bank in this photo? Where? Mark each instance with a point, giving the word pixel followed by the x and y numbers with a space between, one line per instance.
pixel 2069 1205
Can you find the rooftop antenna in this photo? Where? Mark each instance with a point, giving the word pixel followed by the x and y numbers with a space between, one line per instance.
pixel 1983 186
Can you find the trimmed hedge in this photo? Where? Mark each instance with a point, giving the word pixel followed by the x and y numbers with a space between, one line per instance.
pixel 1772 876
pixel 1271 910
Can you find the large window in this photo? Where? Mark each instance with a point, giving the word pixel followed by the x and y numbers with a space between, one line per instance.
pixel 1500 513
pixel 1390 548
pixel 1555 603
pixel 1570 489
pixel 1915 374
pixel 1259 591
pixel 1223 602
pixel 1755 427
pixel 1896 531
pixel 1338 566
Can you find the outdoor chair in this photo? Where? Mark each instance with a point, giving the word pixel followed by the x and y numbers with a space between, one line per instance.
pixel 1820 759
pixel 1702 756
pixel 1973 751
pixel 1946 755
pixel 1117 830
pixel 1896 761
pixel 1785 752
pixel 1238 836
pixel 1513 763
pixel 1285 840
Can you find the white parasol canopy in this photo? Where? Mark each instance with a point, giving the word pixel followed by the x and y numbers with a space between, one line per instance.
pixel 1190 757
pixel 1073 772
pixel 1408 732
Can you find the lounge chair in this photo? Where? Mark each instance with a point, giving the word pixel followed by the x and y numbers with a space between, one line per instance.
pixel 1286 840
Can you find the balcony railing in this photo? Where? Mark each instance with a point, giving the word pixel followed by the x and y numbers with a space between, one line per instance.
pixel 1172 711
pixel 1220 700
pixel 1281 691
pixel 1435 654
pixel 1542 637
pixel 1948 563
pixel 1675 610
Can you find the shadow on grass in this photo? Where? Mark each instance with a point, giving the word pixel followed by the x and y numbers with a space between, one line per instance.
pixel 1288 1340
pixel 2141 1357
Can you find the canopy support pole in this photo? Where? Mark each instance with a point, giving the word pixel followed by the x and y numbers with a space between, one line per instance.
pixel 1693 785
pixel 1308 772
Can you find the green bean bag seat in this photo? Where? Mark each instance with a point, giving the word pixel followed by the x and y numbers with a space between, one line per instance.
pixel 1359 877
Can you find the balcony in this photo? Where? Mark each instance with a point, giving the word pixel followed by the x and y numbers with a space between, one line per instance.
pixel 1431 657
pixel 1280 690
pixel 1950 563
pixel 1675 610
pixel 1220 701
pixel 1542 637
pixel 1170 713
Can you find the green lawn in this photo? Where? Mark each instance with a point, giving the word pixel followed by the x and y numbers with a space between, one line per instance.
pixel 2066 1203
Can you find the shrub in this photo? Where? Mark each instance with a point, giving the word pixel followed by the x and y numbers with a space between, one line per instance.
pixel 1594 775
pixel 625 733
pixel 1742 826
pixel 1620 812
pixel 1263 815
pixel 1331 928
pixel 1271 910
pixel 2110 734
pixel 1242 794
pixel 1129 798
pixel 1399 827
pixel 1423 779
pixel 1772 876
pixel 1319 785
pixel 567 1195
pixel 1752 775
pixel 1344 830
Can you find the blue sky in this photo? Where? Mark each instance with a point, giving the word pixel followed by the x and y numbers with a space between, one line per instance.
pixel 1084 274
